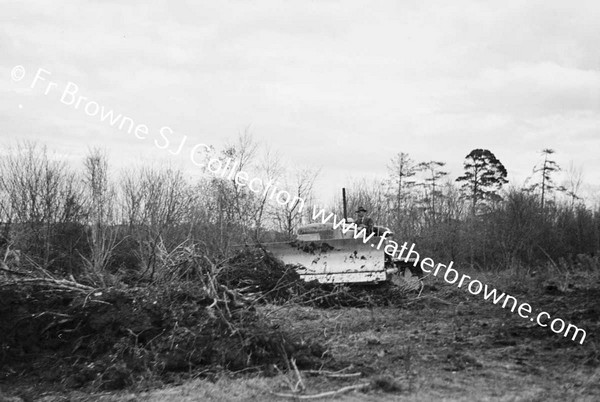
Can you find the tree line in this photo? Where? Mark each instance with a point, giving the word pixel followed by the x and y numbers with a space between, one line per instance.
pixel 477 219
pixel 92 219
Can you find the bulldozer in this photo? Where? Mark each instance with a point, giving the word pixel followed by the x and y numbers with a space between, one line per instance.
pixel 339 255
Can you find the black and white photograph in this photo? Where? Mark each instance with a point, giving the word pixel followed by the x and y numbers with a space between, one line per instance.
pixel 284 200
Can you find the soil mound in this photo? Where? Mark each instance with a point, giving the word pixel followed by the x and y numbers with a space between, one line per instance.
pixel 196 316
pixel 254 270
pixel 110 338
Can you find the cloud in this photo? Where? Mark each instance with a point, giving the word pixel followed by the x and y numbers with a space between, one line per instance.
pixel 343 85
pixel 536 88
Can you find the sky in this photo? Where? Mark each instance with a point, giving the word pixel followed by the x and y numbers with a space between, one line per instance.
pixel 341 86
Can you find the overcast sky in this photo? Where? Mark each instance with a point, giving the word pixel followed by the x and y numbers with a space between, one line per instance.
pixel 340 85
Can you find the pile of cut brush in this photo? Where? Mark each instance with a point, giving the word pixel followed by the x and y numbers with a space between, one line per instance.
pixel 76 333
pixel 255 271
pixel 194 316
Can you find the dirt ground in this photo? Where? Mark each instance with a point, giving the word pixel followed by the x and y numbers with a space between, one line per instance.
pixel 444 345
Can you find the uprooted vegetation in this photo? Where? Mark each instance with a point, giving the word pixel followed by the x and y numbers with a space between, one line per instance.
pixel 194 317
pixel 112 337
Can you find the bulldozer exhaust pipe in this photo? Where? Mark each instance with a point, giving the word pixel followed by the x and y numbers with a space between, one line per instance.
pixel 345 204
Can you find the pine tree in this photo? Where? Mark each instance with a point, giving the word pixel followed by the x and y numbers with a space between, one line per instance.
pixel 546 185
pixel 484 177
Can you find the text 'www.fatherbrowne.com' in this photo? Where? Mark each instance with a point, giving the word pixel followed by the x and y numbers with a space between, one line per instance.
pixel 452 276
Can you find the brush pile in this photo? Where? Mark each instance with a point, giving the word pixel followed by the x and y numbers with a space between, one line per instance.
pixel 79 334
pixel 255 271
pixel 192 316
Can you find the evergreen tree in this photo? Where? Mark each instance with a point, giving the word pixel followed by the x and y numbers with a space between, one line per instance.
pixel 484 177
pixel 546 185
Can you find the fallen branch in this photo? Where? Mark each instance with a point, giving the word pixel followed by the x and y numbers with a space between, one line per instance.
pixel 4 268
pixel 300 383
pixel 432 298
pixel 349 375
pixel 285 377
pixel 349 388
pixel 52 283
pixel 329 373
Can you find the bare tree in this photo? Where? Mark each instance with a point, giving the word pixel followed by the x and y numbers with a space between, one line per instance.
pixel 157 201
pixel 290 214
pixel 99 204
pixel 242 153
pixel 572 184
pixel 272 171
pixel 132 197
pixel 37 191
pixel 433 173
pixel 401 171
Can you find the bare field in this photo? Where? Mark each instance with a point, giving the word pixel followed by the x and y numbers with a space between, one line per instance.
pixel 450 345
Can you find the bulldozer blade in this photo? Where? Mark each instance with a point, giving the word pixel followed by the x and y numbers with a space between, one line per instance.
pixel 333 260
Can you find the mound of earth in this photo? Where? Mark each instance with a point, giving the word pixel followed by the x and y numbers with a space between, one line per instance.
pixel 110 338
pixel 257 271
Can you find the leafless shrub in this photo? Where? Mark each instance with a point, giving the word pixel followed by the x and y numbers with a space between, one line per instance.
pixel 156 204
pixel 37 192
